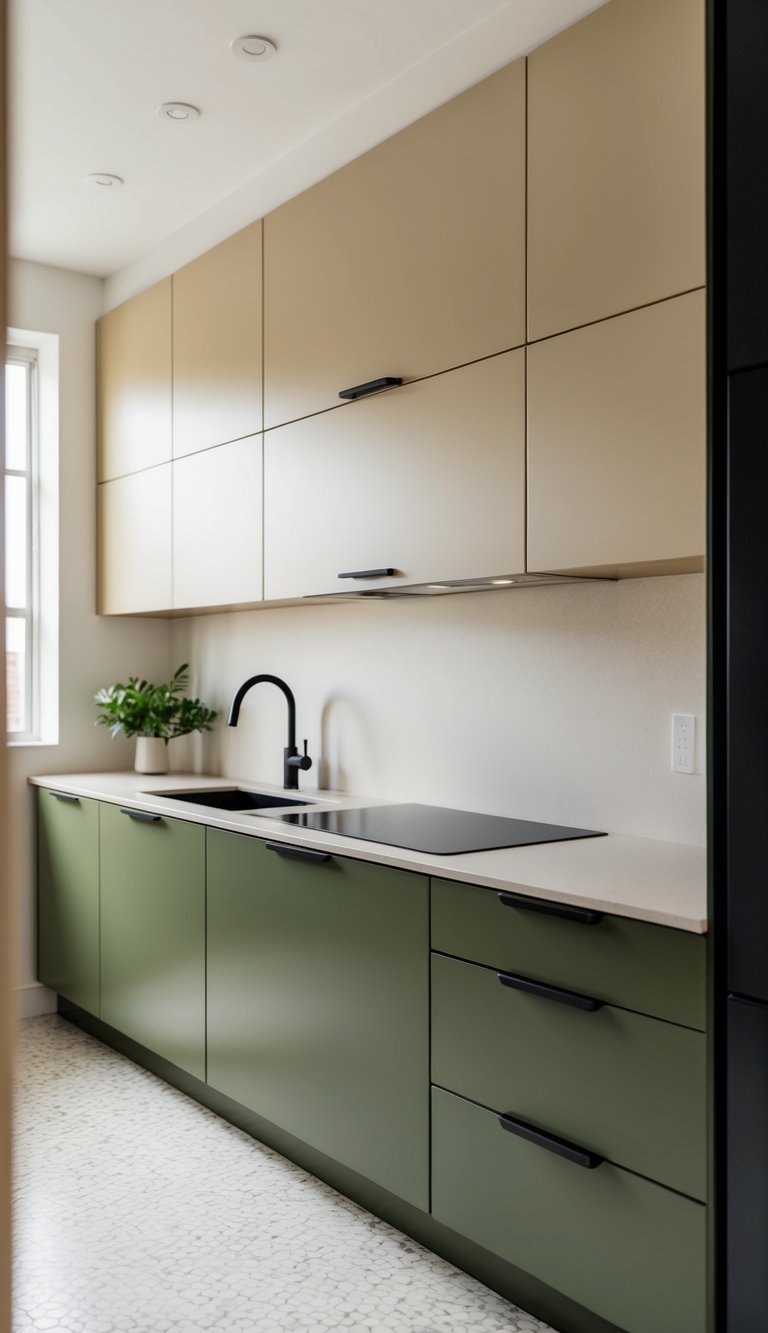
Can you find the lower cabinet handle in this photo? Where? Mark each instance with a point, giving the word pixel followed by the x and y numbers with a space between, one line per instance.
pixel 372 386
pixel 572 1153
pixel 569 997
pixel 299 853
pixel 585 915
pixel 367 574
pixel 66 796
pixel 142 815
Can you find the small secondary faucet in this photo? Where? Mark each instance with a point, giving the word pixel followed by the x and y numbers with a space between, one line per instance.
pixel 292 760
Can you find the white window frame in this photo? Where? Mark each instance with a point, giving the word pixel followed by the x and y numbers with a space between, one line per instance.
pixel 30 612
pixel 42 536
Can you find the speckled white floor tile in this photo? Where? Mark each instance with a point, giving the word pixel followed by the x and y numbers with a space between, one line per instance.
pixel 138 1211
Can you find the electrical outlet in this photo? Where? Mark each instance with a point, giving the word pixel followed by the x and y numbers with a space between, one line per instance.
pixel 683 742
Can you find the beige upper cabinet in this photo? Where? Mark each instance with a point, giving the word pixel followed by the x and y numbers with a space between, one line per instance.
pixel 134 516
pixel 217 526
pixel 217 345
pixel 427 480
pixel 133 345
pixel 406 262
pixel 617 444
pixel 616 214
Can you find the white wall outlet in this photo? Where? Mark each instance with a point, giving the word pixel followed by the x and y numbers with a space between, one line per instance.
pixel 683 742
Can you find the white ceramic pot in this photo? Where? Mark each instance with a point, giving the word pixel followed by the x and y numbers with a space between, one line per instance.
pixel 151 755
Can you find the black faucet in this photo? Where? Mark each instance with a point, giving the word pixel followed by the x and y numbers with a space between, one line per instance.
pixel 292 760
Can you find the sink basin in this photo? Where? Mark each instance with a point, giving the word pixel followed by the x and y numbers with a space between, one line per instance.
pixel 231 798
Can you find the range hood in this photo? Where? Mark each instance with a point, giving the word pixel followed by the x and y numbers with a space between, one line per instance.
pixel 486 583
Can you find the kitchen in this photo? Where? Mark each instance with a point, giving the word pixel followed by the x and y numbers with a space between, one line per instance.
pixel 553 703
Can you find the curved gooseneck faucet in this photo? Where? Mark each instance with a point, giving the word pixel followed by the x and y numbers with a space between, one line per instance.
pixel 292 760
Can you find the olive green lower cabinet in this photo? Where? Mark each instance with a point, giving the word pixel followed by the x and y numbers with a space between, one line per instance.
pixel 153 933
pixel 68 896
pixel 612 1241
pixel 318 994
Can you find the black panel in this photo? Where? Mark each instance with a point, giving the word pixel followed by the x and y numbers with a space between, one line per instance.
pixel 747 1166
pixel 748 685
pixel 747 181
pixel 434 828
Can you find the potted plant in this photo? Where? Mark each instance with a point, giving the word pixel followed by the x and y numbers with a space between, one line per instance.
pixel 154 714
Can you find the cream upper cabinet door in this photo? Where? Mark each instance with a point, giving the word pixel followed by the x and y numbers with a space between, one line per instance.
pixel 217 361
pixel 427 480
pixel 217 526
pixel 616 156
pixel 617 443
pixel 133 345
pixel 406 262
pixel 135 543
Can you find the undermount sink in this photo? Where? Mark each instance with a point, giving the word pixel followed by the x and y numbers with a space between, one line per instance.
pixel 231 798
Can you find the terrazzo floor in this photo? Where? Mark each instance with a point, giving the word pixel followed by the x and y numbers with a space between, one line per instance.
pixel 138 1211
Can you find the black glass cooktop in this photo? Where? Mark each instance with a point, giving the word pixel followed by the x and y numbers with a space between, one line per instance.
pixel 433 828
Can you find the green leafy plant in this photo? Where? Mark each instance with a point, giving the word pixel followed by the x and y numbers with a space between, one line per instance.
pixel 142 709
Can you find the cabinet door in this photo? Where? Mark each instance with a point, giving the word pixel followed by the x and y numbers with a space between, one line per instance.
pixel 135 543
pixel 427 480
pixel 217 526
pixel 617 444
pixel 318 1001
pixel 616 163
pixel 153 934
pixel 133 346
pixel 217 362
pixel 407 261
pixel 68 897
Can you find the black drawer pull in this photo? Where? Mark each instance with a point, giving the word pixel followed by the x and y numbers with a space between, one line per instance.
pixel 142 815
pixel 66 796
pixel 581 1156
pixel 300 853
pixel 372 386
pixel 585 915
pixel 367 574
pixel 569 997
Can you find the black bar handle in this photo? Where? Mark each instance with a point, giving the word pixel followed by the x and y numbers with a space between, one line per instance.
pixel 569 997
pixel 367 574
pixel 585 915
pixel 372 386
pixel 66 796
pixel 300 853
pixel 142 815
pixel 570 1151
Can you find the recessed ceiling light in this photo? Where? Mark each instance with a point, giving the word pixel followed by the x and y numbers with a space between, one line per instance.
pixel 104 180
pixel 253 48
pixel 178 111
pixel 500 583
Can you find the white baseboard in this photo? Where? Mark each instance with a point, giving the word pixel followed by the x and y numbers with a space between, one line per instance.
pixel 33 1001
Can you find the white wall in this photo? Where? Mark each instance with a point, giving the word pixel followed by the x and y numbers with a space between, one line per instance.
pixel 546 703
pixel 93 651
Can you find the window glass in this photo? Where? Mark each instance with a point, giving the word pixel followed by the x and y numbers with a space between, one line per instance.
pixel 16 672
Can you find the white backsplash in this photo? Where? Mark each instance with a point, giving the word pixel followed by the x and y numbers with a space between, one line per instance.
pixel 544 703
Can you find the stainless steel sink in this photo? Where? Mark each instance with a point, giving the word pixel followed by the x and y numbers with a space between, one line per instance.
pixel 231 798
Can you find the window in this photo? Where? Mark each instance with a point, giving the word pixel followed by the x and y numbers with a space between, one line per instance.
pixel 21 543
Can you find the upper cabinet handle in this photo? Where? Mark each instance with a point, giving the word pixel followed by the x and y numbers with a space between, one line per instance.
pixel 299 853
pixel 373 386
pixel 562 1147
pixel 585 915
pixel 569 997
pixel 367 574
pixel 66 796
pixel 143 815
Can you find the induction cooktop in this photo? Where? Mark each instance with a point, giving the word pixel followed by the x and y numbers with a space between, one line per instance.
pixel 433 828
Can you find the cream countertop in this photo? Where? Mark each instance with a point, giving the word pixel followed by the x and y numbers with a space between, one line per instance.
pixel 643 878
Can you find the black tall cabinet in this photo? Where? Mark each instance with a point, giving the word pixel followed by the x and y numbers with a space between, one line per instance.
pixel 738 565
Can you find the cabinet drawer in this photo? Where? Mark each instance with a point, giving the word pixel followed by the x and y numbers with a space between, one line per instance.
pixel 653 969
pixel 626 1249
pixel 630 1088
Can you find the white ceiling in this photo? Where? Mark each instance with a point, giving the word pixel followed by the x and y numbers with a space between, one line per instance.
pixel 87 77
